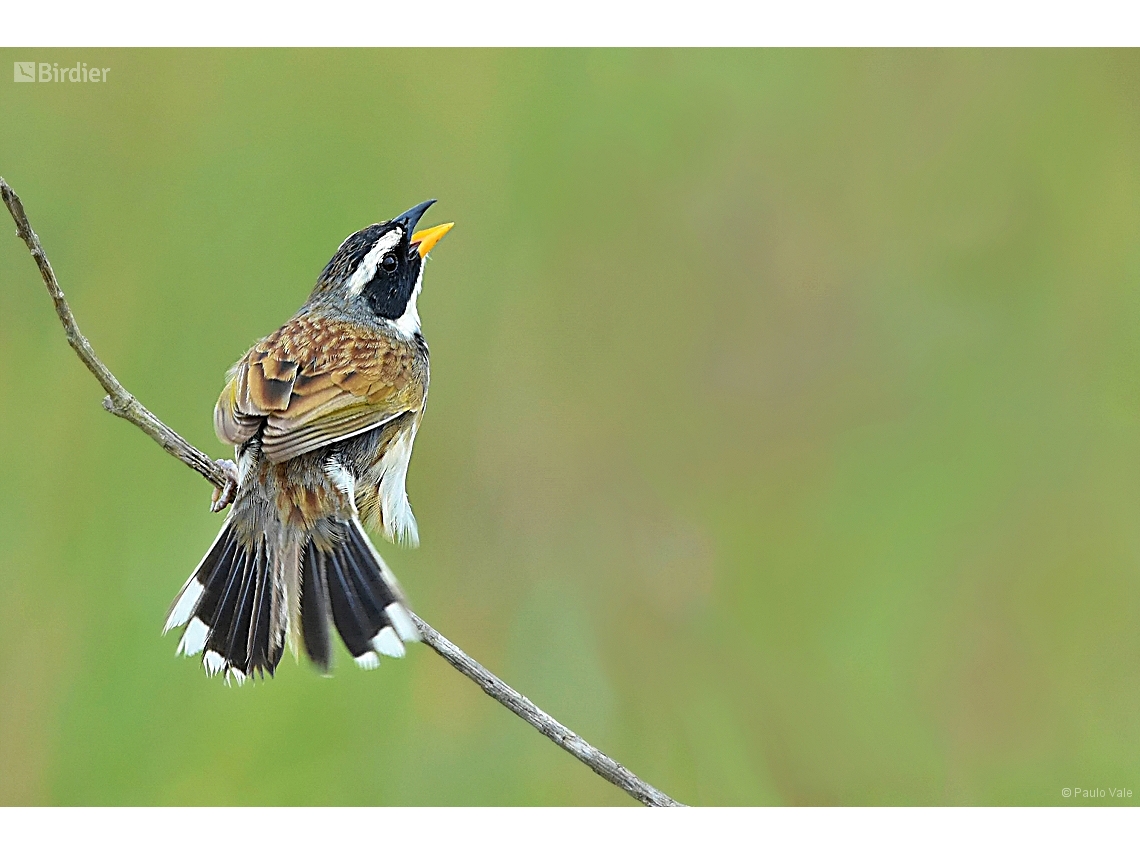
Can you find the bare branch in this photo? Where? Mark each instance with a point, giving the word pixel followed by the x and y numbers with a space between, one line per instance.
pixel 123 404
pixel 556 732
pixel 119 401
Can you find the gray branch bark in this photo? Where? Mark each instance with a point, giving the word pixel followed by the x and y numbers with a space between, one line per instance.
pixel 126 406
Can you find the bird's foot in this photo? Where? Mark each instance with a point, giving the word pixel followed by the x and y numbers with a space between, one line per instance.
pixel 223 496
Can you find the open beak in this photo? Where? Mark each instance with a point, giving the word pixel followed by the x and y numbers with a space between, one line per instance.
pixel 423 241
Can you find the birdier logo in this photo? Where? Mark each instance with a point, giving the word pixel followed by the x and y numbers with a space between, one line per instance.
pixel 50 72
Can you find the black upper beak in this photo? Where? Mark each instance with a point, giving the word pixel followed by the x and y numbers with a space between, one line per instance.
pixel 410 217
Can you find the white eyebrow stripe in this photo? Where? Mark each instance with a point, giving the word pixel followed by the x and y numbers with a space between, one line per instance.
pixel 367 268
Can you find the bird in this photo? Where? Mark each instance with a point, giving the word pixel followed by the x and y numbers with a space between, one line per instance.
pixel 322 415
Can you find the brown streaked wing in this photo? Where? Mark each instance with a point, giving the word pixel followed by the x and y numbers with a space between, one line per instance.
pixel 314 383
pixel 270 384
pixel 285 445
pixel 231 423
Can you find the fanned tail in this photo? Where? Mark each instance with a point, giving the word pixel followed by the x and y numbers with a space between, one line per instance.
pixel 233 607
pixel 345 583
pixel 236 611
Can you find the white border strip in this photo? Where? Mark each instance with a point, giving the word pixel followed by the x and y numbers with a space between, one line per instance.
pixel 554 830
pixel 604 23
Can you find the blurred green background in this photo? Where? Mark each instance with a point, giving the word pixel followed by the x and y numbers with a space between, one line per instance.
pixel 783 435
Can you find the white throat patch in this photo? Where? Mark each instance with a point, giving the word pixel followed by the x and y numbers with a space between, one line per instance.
pixel 408 324
pixel 367 269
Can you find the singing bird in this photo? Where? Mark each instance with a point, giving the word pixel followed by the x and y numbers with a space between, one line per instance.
pixel 322 414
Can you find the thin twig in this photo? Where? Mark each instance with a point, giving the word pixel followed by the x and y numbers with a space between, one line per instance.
pixel 557 733
pixel 119 401
pixel 123 404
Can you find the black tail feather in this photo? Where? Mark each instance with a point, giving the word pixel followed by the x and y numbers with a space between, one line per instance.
pixel 357 593
pixel 228 609
pixel 214 581
pixel 223 618
pixel 315 608
pixel 259 649
pixel 347 609
pixel 234 644
pixel 375 593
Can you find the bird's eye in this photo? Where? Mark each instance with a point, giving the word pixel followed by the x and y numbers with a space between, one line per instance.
pixel 389 263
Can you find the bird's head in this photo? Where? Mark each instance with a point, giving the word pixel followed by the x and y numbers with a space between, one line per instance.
pixel 377 272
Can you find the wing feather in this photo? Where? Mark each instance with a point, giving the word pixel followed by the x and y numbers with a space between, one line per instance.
pixel 268 395
pixel 285 445
pixel 317 381
pixel 233 423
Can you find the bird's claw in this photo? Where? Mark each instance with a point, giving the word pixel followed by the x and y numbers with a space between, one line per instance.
pixel 223 496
